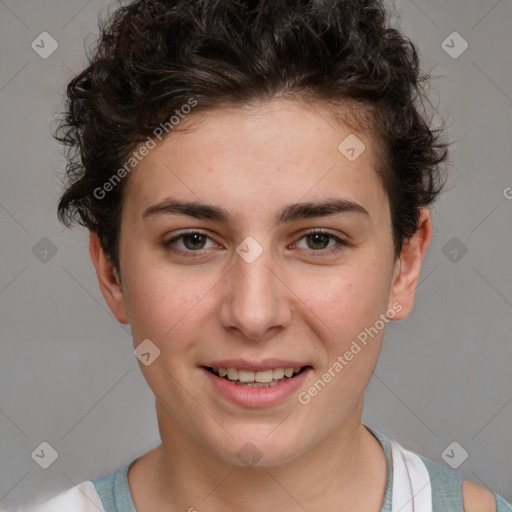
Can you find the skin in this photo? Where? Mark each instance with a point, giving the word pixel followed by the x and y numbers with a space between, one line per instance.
pixel 294 301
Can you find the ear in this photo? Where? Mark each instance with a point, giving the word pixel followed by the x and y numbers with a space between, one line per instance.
pixel 408 266
pixel 109 282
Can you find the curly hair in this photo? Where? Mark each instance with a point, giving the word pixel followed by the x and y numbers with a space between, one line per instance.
pixel 153 56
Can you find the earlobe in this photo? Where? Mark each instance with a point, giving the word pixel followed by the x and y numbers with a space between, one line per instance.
pixel 408 266
pixel 108 279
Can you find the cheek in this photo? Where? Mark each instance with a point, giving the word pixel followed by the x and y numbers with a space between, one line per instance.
pixel 344 310
pixel 347 299
pixel 163 305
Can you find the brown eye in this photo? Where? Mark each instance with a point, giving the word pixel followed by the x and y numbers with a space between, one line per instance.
pixel 320 242
pixel 193 241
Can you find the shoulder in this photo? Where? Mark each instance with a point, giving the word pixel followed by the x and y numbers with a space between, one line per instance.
pixel 477 498
pixel 448 490
pixel 451 492
pixel 81 498
pixel 107 493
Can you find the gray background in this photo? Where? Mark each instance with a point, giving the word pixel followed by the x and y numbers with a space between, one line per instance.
pixel 67 371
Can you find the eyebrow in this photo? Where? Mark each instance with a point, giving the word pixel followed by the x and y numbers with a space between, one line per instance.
pixel 289 213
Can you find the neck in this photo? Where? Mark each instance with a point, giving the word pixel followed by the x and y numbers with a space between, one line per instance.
pixel 346 471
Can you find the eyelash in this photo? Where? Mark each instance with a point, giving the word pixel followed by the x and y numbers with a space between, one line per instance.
pixel 167 244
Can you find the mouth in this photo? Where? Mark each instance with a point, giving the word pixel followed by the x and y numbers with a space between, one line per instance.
pixel 257 379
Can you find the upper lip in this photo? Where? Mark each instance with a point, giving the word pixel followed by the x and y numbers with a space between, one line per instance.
pixel 265 364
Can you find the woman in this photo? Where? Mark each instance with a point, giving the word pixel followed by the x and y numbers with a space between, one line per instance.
pixel 256 178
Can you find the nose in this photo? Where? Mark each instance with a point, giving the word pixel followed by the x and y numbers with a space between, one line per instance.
pixel 256 301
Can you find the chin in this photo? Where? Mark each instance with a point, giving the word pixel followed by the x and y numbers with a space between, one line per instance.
pixel 260 449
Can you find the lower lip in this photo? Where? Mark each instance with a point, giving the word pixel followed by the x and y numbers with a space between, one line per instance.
pixel 256 397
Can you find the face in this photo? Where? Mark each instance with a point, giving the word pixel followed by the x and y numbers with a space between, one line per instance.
pixel 256 280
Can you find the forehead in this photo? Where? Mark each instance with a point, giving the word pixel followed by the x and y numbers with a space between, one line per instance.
pixel 260 157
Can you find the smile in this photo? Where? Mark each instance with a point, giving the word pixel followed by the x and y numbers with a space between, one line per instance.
pixel 262 378
pixel 261 388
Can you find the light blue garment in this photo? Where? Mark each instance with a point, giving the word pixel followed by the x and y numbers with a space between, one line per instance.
pixel 446 486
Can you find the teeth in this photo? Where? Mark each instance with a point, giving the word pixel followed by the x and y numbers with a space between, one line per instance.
pixel 232 374
pixel 243 375
pixel 263 376
pixel 279 373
